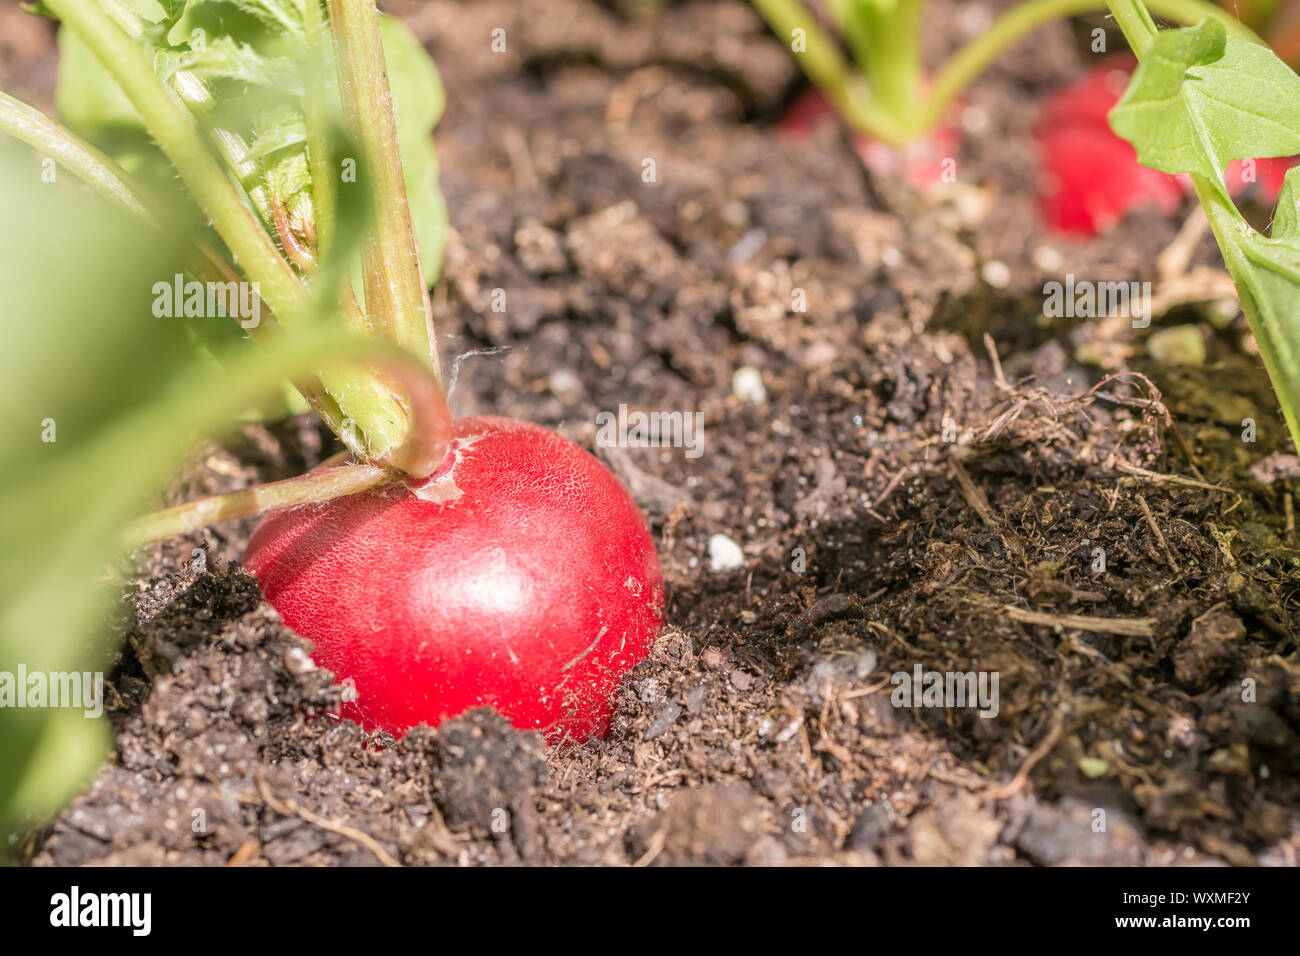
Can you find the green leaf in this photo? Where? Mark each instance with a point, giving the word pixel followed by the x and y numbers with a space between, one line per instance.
pixel 172 11
pixel 225 58
pixel 1201 98
pixel 1198 100
pixel 275 133
pixel 275 14
pixel 255 69
pixel 88 352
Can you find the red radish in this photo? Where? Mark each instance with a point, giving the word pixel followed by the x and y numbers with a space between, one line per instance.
pixel 1268 175
pixel 806 113
pixel 1090 178
pixel 922 164
pixel 928 162
pixel 519 576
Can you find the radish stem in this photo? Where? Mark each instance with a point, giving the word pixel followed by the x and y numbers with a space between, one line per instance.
pixel 396 297
pixel 96 170
pixel 421 453
pixel 884 100
pixel 317 487
pixel 317 103
pixel 820 59
pixel 366 400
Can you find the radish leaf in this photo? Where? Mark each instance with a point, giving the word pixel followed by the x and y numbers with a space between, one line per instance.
pixel 1201 98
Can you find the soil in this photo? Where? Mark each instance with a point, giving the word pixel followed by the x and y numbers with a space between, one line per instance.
pixel 934 479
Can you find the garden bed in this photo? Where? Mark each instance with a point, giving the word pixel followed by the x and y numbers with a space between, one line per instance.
pixel 760 729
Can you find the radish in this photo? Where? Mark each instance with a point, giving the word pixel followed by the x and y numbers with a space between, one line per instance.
pixel 520 576
pixel 923 163
pixel 1090 178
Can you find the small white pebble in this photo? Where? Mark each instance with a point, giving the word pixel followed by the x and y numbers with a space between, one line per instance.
pixel 819 354
pixel 565 385
pixel 890 257
pixel 1048 259
pixel 996 273
pixel 747 385
pixel 298 661
pixel 724 554
pixel 975 18
pixel 974 120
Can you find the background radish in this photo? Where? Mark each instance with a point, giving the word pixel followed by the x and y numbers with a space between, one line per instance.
pixel 520 576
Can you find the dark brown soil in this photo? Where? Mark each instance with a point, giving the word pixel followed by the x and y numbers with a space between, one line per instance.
pixel 949 509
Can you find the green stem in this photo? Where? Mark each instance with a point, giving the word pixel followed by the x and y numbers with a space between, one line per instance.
pixel 885 38
pixel 168 428
pixel 317 102
pixel 423 451
pixel 361 396
pixel 1136 22
pixel 1275 347
pixel 396 297
pixel 314 488
pixel 31 126
pixel 821 62
pixel 976 56
pixel 885 105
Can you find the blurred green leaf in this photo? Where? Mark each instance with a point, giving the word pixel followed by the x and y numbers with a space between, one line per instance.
pixel 83 349
pixel 419 100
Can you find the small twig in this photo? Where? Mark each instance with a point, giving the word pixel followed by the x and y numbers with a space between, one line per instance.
pixel 1127 626
pixel 1173 261
pixel 655 847
pixel 1155 529
pixel 590 647
pixel 1017 783
pixel 889 488
pixel 290 809
pixel 1138 472
pixel 999 379
pixel 974 497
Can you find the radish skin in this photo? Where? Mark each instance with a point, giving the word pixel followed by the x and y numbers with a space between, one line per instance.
pixel 519 576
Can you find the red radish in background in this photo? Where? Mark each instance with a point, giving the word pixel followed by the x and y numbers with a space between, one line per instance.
pixel 519 576
pixel 1089 177
pixel 1267 173
pixel 921 164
